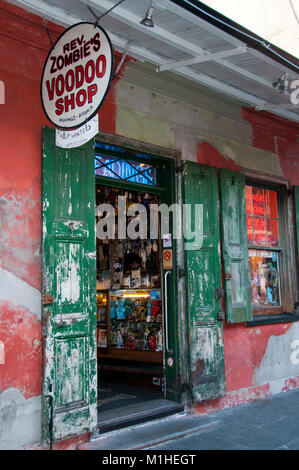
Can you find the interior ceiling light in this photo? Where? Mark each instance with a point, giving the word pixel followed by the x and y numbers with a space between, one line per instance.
pixel 148 19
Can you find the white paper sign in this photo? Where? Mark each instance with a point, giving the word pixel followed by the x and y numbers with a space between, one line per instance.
pixel 167 243
pixel 77 75
pixel 71 139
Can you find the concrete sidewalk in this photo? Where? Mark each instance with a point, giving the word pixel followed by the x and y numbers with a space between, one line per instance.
pixel 271 423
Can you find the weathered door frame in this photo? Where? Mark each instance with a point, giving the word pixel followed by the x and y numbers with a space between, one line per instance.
pixel 167 159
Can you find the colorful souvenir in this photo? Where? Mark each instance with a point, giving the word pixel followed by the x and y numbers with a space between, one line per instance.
pixel 152 342
pixel 159 340
pixel 119 340
pixel 148 316
pixel 120 312
pixel 155 310
pixel 112 309
pixel 128 308
pixel 145 343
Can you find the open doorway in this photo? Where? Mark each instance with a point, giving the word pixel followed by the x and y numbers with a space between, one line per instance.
pixel 129 313
pixel 130 293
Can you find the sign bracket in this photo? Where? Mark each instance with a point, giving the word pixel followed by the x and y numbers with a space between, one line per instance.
pixel 44 23
pixel 98 18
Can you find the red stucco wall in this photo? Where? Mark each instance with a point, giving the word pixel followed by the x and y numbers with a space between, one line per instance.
pixel 24 47
pixel 244 348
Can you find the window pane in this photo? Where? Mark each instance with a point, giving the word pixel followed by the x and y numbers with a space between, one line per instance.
pixel 260 234
pixel 125 170
pixel 264 277
pixel 104 171
pixel 248 200
pixel 272 232
pixel 258 199
pixel 271 204
pixel 250 230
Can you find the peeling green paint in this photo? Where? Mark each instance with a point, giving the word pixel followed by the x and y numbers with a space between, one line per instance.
pixel 235 247
pixel 203 278
pixel 69 274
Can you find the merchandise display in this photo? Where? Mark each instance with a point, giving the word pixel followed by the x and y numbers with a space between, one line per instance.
pixel 136 322
pixel 264 278
pixel 129 300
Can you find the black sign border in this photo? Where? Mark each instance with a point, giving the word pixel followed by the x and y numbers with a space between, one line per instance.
pixel 109 83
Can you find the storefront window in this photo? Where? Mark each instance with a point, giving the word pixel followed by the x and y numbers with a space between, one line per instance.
pixel 262 217
pixel 264 276
pixel 263 236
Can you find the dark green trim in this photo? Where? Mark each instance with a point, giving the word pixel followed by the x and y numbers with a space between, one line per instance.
pixel 264 248
pixel 121 184
pixel 269 319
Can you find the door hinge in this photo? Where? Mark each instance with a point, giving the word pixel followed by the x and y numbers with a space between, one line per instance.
pixel 219 294
pixel 221 315
pixel 184 387
pixel 44 331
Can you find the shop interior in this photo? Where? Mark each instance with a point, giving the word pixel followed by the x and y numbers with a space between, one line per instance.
pixel 129 313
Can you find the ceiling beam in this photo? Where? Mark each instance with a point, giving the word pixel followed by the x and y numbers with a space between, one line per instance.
pixel 210 28
pixel 203 58
pixel 278 107
pixel 169 38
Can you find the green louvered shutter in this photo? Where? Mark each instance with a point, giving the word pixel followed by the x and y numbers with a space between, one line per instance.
pixel 69 275
pixel 235 247
pixel 203 286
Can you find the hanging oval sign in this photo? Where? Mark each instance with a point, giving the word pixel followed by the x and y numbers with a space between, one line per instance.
pixel 77 75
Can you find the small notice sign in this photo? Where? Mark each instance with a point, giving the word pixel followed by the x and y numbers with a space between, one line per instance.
pixel 167 259
pixel 167 243
pixel 71 139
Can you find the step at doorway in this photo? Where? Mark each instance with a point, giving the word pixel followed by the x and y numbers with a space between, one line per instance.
pixel 123 405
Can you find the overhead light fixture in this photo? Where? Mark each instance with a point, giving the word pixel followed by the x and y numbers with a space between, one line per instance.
pixel 148 19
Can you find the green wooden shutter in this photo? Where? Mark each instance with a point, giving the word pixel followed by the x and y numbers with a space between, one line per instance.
pixel 296 188
pixel 235 247
pixel 203 286
pixel 69 274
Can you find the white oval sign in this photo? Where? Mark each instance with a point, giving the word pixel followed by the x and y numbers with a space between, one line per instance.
pixel 77 75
